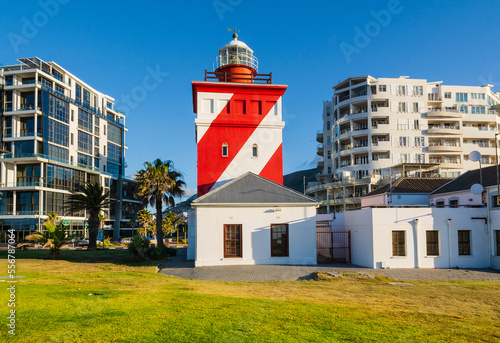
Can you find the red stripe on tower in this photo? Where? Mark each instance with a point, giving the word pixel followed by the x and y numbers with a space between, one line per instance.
pixel 274 168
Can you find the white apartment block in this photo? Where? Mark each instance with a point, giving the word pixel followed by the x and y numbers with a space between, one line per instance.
pixel 58 133
pixel 377 128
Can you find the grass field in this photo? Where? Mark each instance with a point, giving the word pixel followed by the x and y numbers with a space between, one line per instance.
pixel 101 297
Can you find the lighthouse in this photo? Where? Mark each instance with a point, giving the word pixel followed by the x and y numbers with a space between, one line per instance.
pixel 239 123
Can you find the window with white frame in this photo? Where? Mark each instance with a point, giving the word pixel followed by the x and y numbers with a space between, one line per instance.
pixel 224 150
pixel 401 90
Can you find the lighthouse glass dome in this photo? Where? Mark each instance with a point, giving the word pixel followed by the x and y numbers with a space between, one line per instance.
pixel 237 52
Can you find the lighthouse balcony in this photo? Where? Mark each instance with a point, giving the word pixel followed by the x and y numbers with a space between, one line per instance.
pixel 227 76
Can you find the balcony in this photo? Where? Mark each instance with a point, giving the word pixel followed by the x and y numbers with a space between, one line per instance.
pixel 22 109
pixel 444 130
pixel 319 136
pixel 443 147
pixel 362 131
pixel 321 165
pixel 320 150
pixel 380 128
pixel 443 113
pixel 31 184
pixel 22 135
pixel 381 146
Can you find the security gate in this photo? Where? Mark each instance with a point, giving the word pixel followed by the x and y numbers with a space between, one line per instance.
pixel 333 246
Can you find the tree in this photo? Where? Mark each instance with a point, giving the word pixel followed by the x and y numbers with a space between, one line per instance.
pixel 52 218
pixel 54 238
pixel 159 183
pixel 92 198
pixel 144 217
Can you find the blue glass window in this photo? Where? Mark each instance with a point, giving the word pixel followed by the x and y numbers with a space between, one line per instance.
pixel 57 132
pixel 58 109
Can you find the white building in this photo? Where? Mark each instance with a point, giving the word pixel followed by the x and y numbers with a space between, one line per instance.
pixel 404 191
pixel 374 128
pixel 424 237
pixel 58 134
pixel 251 220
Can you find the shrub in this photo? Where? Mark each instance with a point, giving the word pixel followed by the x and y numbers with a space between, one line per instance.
pixel 183 241
pixel 139 247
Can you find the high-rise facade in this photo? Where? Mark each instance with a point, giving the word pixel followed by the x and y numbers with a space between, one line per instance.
pixel 377 128
pixel 58 133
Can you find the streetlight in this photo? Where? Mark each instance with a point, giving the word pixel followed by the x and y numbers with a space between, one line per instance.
pixel 498 174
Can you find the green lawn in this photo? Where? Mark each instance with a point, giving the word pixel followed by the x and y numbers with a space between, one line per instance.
pixel 101 297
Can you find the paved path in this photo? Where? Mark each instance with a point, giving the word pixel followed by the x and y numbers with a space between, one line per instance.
pixel 180 267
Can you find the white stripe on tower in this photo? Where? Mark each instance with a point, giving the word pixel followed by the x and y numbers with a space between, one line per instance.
pixel 268 137
pixel 210 106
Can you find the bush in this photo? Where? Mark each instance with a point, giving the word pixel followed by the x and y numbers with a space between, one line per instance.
pixel 141 250
pixel 139 247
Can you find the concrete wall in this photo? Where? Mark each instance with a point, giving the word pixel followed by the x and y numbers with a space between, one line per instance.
pixel 371 237
pixel 256 238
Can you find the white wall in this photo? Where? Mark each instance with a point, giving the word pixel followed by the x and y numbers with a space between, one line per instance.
pixel 360 224
pixel 256 237
pixel 377 225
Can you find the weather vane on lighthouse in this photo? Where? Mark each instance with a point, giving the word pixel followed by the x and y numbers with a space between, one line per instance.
pixel 235 34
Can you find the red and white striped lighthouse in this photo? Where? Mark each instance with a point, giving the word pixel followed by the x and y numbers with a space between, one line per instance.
pixel 238 125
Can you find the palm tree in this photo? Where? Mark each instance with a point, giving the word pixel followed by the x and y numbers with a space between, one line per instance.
pixel 52 218
pixel 159 183
pixel 54 238
pixel 102 219
pixel 144 217
pixel 93 199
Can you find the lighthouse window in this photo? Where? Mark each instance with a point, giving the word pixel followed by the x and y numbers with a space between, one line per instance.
pixel 254 150
pixel 224 150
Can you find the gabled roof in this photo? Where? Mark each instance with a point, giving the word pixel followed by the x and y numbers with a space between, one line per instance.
pixel 253 189
pixel 466 180
pixel 412 185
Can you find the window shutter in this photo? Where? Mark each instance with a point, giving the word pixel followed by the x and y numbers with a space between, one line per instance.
pixel 393 89
pixel 394 106
pixel 410 91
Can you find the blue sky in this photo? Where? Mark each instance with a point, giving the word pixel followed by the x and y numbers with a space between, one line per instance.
pixel 310 46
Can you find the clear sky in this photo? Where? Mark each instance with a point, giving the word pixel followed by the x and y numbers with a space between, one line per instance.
pixel 310 46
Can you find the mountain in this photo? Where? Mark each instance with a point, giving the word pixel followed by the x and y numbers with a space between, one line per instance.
pixel 295 180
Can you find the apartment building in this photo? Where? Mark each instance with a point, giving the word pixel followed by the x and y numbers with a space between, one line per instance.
pixel 375 129
pixel 58 133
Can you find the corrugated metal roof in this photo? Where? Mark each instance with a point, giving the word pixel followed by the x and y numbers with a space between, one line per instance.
pixel 412 185
pixel 466 180
pixel 253 189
